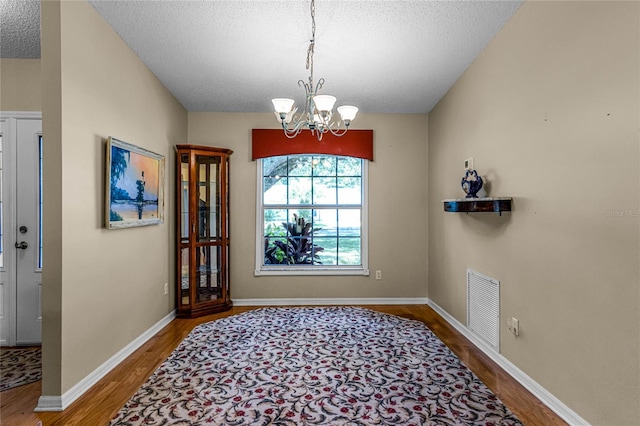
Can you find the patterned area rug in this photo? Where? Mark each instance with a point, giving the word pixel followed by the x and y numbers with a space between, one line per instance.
pixel 19 366
pixel 313 366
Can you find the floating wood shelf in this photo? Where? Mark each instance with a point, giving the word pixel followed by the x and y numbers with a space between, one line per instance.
pixel 478 205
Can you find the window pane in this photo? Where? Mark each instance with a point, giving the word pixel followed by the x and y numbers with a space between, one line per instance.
pixel 300 218
pixel 325 222
pixel 273 222
pixel 350 222
pixel 324 166
pixel 275 251
pixel 329 253
pixel 349 190
pixel 275 236
pixel 349 250
pixel 324 190
pixel 275 190
pixel 299 165
pixel 270 166
pixel 349 166
pixel 300 190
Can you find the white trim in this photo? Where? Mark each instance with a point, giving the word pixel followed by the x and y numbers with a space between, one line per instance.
pixel 311 271
pixel 332 301
pixel 259 220
pixel 262 270
pixel 10 118
pixel 36 115
pixel 548 399
pixel 49 403
pixel 60 403
pixel 9 158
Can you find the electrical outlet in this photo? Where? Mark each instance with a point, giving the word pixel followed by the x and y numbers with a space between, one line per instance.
pixel 166 288
pixel 514 325
pixel 468 164
pixel 378 275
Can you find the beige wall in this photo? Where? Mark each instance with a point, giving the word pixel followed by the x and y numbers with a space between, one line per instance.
pixel 550 112
pixel 20 85
pixel 397 209
pixel 102 288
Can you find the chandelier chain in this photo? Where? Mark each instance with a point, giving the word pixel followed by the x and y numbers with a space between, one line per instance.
pixel 312 42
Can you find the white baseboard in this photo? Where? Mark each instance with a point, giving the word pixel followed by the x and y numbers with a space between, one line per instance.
pixel 331 301
pixel 557 406
pixel 59 403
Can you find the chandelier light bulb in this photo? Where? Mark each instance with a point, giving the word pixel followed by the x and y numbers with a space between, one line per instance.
pixel 324 103
pixel 282 105
pixel 347 113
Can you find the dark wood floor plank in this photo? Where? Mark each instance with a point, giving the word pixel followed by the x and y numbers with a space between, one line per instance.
pixel 104 399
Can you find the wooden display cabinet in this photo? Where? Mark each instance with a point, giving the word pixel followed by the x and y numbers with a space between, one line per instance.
pixel 202 196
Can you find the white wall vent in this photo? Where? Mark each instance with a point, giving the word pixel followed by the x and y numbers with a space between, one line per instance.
pixel 483 307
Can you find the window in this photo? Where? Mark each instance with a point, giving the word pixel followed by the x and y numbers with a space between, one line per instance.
pixel 311 215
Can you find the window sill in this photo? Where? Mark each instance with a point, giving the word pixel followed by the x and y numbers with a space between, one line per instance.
pixel 274 271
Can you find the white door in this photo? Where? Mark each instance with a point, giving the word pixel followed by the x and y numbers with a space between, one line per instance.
pixel 21 231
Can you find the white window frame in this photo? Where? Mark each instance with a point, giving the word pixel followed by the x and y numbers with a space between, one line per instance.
pixel 270 270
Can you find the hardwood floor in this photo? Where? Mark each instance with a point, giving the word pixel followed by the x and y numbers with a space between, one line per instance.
pixel 103 400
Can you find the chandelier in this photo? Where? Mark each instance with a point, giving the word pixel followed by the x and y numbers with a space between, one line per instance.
pixel 317 115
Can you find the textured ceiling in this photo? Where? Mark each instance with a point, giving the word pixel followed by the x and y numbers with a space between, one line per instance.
pixel 19 29
pixel 235 55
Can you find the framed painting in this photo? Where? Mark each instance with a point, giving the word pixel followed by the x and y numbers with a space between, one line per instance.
pixel 134 186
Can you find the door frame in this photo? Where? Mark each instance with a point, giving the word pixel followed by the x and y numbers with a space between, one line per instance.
pixel 9 180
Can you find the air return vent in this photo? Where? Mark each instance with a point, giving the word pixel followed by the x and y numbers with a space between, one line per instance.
pixel 483 307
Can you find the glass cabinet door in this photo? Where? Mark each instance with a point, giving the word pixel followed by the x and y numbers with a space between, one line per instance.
pixel 208 223
pixel 208 274
pixel 203 230
pixel 184 297
pixel 208 228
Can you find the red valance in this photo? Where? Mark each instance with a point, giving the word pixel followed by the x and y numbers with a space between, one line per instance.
pixel 273 142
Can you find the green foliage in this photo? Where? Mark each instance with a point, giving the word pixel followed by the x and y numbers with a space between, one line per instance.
pixel 297 248
pixel 119 194
pixel 114 217
pixel 277 168
pixel 273 230
pixel 119 160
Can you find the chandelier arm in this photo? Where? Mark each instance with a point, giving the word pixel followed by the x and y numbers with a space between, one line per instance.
pixel 301 83
pixel 336 132
pixel 291 133
pixel 297 124
pixel 336 129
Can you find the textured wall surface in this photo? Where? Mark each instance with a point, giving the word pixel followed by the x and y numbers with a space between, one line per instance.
pixel 550 113
pixel 102 288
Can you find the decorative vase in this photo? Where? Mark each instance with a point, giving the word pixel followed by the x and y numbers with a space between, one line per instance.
pixel 471 184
